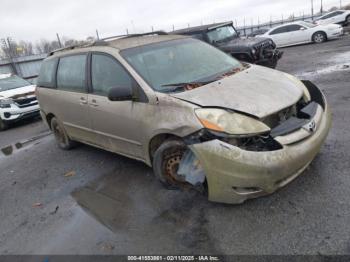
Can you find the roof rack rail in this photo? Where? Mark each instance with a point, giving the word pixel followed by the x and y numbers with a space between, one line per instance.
pixel 134 35
pixel 149 33
pixel 70 48
pixel 103 42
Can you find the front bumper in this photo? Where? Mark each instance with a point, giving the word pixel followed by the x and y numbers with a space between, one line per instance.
pixel 235 175
pixel 15 113
pixel 270 58
pixel 336 34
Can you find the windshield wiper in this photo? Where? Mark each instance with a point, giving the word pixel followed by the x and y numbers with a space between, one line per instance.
pixel 189 83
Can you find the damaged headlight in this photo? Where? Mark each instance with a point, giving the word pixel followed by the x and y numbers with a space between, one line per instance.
pixel 230 122
pixel 6 103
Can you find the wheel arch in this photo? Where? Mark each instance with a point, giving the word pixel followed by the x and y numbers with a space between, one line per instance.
pixel 319 31
pixel 48 118
pixel 157 140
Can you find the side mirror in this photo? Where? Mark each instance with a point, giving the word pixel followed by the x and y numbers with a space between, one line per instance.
pixel 120 94
pixel 302 28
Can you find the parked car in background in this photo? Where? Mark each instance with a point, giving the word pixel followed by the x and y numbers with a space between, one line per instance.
pixel 17 100
pixel 302 32
pixel 200 117
pixel 341 17
pixel 260 31
pixel 224 36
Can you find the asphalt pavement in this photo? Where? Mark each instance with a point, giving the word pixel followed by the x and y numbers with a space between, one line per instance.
pixel 89 201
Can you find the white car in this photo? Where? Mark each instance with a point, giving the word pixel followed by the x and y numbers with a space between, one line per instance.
pixel 336 17
pixel 302 32
pixel 17 100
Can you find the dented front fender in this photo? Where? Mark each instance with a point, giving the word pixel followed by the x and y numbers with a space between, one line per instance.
pixel 234 175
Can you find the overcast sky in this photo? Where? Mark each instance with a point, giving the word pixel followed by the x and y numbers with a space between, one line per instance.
pixel 36 19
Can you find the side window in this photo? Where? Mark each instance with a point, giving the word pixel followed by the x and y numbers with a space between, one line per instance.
pixel 339 13
pixel 325 17
pixel 279 30
pixel 106 73
pixel 47 73
pixel 292 28
pixel 71 73
pixel 331 15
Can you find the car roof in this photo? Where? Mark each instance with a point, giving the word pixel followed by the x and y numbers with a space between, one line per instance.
pixel 121 42
pixel 290 23
pixel 201 28
pixel 331 12
pixel 125 43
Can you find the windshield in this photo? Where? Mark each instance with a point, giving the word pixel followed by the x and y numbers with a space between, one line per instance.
pixel 222 33
pixel 179 61
pixel 307 24
pixel 12 82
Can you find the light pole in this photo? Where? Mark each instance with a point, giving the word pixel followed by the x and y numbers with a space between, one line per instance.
pixel 312 9
pixel 321 7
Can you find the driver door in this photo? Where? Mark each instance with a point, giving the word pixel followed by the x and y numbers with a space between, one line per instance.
pixel 115 123
pixel 280 36
pixel 298 34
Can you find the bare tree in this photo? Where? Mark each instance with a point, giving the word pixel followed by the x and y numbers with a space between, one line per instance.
pixel 45 46
pixel 26 48
pixel 333 9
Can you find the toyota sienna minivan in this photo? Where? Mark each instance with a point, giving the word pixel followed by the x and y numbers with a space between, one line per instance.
pixel 199 117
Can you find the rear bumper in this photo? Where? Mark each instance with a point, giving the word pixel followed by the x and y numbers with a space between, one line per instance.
pixel 235 175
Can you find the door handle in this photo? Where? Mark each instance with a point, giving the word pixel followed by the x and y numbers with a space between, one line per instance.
pixel 83 101
pixel 93 103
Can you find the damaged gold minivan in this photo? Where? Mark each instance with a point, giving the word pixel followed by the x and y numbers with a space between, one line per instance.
pixel 201 118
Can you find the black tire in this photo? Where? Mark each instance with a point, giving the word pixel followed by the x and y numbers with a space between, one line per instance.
pixel 319 37
pixel 347 20
pixel 165 164
pixel 62 139
pixel 3 125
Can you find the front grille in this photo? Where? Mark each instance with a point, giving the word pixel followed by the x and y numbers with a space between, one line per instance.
pixel 264 49
pixel 264 45
pixel 26 102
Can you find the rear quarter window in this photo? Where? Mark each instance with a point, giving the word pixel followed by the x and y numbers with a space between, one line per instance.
pixel 71 73
pixel 47 73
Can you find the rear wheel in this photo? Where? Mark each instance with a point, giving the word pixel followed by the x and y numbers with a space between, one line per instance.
pixel 3 125
pixel 319 37
pixel 166 163
pixel 62 139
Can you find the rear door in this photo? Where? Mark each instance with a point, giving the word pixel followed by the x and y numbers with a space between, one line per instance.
pixel 116 123
pixel 331 17
pixel 298 34
pixel 338 17
pixel 69 102
pixel 280 35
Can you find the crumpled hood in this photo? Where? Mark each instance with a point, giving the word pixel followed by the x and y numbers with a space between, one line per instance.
pixel 17 91
pixel 257 91
pixel 241 43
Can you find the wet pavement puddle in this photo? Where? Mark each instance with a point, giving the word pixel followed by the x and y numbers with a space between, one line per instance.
pixel 122 202
pixel 338 63
pixel 11 149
